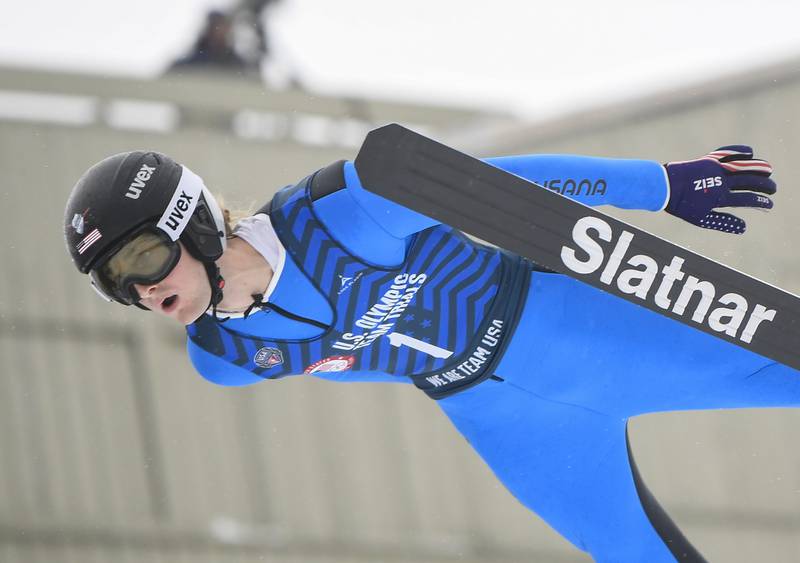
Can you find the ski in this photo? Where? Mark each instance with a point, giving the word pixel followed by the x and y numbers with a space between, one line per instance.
pixel 573 239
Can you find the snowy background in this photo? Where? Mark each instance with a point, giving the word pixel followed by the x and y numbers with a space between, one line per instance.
pixel 533 58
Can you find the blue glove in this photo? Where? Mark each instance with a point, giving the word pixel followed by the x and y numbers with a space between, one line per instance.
pixel 727 177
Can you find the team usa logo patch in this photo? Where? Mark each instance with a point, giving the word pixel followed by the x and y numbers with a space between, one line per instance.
pixel 268 358
pixel 333 363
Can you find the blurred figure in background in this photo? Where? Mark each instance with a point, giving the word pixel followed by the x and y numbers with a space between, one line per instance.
pixel 236 40
pixel 215 47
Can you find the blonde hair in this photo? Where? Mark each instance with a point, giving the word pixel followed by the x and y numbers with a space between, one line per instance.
pixel 233 213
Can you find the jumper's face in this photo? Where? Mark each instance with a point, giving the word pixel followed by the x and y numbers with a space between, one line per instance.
pixel 183 295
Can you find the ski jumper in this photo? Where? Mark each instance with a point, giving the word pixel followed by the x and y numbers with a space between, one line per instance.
pixel 538 371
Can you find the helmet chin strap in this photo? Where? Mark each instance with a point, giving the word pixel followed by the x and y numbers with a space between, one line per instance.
pixel 217 283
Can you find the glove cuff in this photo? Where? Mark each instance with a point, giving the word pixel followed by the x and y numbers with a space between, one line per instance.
pixel 667 189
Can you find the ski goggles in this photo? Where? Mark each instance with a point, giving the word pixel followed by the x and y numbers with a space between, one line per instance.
pixel 146 257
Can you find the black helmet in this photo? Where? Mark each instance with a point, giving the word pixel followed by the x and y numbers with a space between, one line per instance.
pixel 127 193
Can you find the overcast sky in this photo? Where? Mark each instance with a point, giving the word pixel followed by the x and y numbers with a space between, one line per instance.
pixel 533 58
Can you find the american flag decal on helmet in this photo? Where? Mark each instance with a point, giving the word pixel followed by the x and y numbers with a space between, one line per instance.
pixel 89 240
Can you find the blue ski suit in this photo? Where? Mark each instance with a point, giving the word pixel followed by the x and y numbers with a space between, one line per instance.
pixel 549 411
